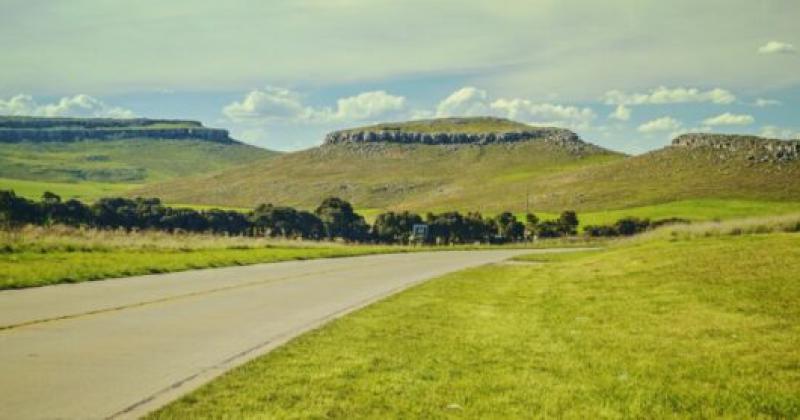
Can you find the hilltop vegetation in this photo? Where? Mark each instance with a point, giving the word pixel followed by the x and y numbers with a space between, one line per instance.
pixel 59 123
pixel 449 125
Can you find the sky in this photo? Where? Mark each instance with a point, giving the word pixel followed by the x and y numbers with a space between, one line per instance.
pixel 627 75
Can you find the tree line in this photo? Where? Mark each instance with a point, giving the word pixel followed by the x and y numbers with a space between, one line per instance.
pixel 333 219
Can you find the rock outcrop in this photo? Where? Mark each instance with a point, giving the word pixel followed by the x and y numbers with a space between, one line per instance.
pixel 557 136
pixel 18 129
pixel 755 148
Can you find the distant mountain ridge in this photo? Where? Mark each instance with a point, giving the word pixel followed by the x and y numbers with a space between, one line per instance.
pixel 451 163
pixel 46 129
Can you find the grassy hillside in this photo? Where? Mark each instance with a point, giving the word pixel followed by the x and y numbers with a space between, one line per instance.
pixel 666 175
pixel 705 327
pixel 421 177
pixel 38 154
pixel 674 181
pixel 123 161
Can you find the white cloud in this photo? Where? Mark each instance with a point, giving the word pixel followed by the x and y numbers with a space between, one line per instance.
pixel 467 101
pixel 729 119
pixel 80 105
pixel 365 106
pixel 543 113
pixel 621 113
pixel 274 104
pixel 660 124
pixel 471 101
pixel 18 105
pixel 761 102
pixel 270 103
pixel 664 95
pixel 774 132
pixel 777 47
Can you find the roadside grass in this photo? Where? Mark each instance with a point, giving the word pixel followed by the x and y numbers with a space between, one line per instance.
pixel 752 225
pixel 28 269
pixel 556 256
pixel 36 256
pixel 676 326
pixel 39 256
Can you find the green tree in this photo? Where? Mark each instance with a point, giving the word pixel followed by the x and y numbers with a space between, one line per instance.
pixel 394 227
pixel 340 221
pixel 568 222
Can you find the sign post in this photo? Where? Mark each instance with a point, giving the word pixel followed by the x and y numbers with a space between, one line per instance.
pixel 419 233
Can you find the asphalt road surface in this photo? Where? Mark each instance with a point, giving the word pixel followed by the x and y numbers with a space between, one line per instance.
pixel 121 348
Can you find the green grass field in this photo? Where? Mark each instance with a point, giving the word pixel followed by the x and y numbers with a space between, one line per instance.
pixel 42 256
pixel 661 327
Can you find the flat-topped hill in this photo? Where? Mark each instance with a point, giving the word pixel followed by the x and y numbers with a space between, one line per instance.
pixel 46 129
pixel 117 152
pixel 695 166
pixel 551 176
pixel 476 130
pixel 479 125
pixel 754 148
pixel 379 173
pixel 72 122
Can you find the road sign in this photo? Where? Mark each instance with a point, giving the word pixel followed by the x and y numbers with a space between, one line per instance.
pixel 419 232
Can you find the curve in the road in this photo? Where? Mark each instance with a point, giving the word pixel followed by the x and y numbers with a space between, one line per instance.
pixel 120 348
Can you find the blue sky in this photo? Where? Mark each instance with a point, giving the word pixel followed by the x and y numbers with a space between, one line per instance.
pixel 628 75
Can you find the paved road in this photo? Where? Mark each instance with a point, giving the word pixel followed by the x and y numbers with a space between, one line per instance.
pixel 119 348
